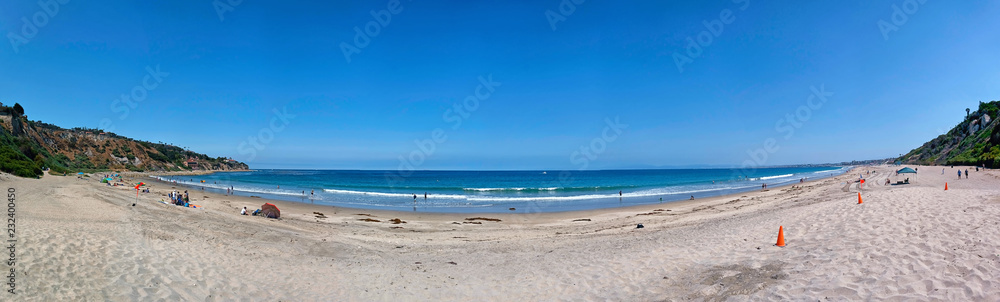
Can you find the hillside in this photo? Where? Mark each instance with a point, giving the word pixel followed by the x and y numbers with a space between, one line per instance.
pixel 974 141
pixel 26 147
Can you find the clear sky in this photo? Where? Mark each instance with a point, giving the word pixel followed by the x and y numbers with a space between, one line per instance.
pixel 898 78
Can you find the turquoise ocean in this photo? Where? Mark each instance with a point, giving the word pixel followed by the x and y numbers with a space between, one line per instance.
pixel 495 191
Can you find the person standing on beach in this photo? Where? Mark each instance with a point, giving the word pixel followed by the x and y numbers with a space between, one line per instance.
pixel 966 173
pixel 959 174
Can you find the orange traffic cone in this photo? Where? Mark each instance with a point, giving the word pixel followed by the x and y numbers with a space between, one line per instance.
pixel 781 236
pixel 859 197
pixel 946 186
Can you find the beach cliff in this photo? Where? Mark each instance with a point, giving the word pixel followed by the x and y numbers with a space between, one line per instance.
pixel 28 147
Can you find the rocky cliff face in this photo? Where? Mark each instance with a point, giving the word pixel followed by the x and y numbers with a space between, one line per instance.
pixel 90 149
pixel 17 127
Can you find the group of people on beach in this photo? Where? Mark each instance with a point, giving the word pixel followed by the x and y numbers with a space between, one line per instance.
pixel 177 199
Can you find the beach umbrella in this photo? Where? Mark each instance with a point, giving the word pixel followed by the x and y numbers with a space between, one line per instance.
pixel 270 211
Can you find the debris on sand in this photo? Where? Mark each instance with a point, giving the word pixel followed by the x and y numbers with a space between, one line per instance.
pixel 483 218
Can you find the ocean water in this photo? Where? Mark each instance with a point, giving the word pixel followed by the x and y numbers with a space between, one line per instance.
pixel 495 191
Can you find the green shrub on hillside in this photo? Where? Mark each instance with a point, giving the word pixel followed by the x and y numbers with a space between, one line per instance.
pixel 13 162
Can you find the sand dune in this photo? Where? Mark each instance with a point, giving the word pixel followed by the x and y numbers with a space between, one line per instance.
pixel 83 241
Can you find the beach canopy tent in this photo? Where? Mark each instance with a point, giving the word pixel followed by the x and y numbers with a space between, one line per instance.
pixel 900 174
pixel 270 211
pixel 79 173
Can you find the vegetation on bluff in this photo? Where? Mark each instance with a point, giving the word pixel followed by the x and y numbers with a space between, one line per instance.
pixel 27 147
pixel 974 141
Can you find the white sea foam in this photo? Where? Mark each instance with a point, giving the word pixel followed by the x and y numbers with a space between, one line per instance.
pixel 381 194
pixel 776 176
pixel 235 188
pixel 510 189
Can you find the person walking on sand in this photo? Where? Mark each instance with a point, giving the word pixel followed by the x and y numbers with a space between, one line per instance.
pixel 966 173
pixel 959 174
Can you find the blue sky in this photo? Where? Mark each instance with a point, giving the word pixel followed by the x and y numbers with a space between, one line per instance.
pixel 223 78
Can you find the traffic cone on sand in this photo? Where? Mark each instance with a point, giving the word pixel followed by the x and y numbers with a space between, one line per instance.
pixel 781 236
pixel 946 186
pixel 859 197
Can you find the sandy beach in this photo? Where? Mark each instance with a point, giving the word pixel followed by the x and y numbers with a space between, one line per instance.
pixel 80 240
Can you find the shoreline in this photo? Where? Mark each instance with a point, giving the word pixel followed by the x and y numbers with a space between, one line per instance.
pixel 303 210
pixel 304 200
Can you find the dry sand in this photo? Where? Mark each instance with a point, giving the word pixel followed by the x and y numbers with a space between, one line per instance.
pixel 79 240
